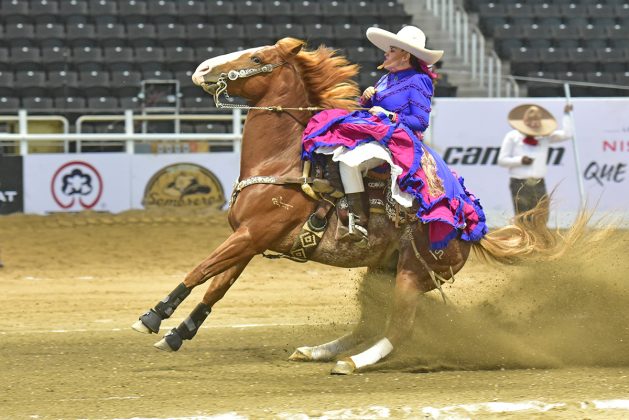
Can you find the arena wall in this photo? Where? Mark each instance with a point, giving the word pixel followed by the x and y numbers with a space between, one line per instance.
pixel 466 132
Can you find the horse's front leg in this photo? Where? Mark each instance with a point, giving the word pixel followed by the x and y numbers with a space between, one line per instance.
pixel 232 255
pixel 219 285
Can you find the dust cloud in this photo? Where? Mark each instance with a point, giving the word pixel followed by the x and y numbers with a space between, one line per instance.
pixel 569 312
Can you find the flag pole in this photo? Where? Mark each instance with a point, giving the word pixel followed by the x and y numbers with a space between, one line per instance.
pixel 577 162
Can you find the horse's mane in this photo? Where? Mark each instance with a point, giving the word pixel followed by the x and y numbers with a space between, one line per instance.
pixel 327 76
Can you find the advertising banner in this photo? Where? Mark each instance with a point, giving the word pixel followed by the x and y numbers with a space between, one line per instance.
pixel 183 180
pixel 468 134
pixel 70 183
pixel 11 185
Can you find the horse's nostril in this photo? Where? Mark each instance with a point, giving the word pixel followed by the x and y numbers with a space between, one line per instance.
pixel 204 69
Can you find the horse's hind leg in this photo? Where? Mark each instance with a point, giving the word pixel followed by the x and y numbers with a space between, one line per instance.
pixel 232 255
pixel 409 284
pixel 373 297
pixel 189 327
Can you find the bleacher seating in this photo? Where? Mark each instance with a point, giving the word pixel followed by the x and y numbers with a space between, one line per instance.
pixel 96 52
pixel 575 40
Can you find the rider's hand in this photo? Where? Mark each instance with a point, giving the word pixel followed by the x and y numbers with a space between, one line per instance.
pixel 376 109
pixel 368 93
pixel 567 108
pixel 527 160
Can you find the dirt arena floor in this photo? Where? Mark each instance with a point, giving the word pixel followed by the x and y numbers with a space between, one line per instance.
pixel 541 340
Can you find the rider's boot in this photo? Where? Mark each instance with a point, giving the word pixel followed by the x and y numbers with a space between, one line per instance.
pixel 358 218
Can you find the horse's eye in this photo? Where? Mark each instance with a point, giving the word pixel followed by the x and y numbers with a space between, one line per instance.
pixel 256 60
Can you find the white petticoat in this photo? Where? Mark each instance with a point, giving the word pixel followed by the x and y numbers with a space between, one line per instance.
pixel 368 156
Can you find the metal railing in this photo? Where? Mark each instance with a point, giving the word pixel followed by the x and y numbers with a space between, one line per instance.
pixel 470 46
pixel 129 137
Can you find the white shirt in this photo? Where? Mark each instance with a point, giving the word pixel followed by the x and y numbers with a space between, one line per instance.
pixel 513 149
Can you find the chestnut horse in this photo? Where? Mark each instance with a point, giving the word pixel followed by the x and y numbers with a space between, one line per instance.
pixel 267 214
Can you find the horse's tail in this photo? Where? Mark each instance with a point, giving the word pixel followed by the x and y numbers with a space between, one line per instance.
pixel 529 238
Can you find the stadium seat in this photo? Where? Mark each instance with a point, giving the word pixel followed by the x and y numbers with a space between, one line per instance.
pixel 231 36
pixel 73 7
pixel 13 7
pixel 393 13
pixel 102 7
pixel 259 34
pixel 277 12
pixel 347 35
pixel 116 53
pixel 60 78
pixel 38 103
pixel 80 30
pixel 94 78
pixel 306 12
pixel 248 11
pixel 76 103
pixel 546 10
pixel 201 31
pixel 131 7
pixel 179 54
pixel 148 53
pixel 141 30
pixel 85 53
pixel 102 103
pixel 9 103
pixel 25 54
pixel 6 77
pixel 292 30
pixel 110 30
pixel 318 33
pixel 362 12
pixel 44 7
pixel 161 8
pixel 220 12
pixel 171 31
pixel 49 30
pixel 15 30
pixel 187 8
pixel 125 78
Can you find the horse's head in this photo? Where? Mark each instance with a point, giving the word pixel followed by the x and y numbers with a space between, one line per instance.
pixel 246 73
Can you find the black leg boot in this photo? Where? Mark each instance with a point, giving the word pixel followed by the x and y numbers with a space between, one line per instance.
pixel 358 219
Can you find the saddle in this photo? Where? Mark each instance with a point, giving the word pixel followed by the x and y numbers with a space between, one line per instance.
pixel 324 184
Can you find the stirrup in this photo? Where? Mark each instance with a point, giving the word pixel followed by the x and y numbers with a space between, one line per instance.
pixel 356 232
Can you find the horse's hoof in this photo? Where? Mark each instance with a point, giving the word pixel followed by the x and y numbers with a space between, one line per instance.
pixel 171 341
pixel 344 367
pixel 302 354
pixel 163 345
pixel 140 327
pixel 150 321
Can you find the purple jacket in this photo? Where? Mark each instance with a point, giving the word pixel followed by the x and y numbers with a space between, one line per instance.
pixel 408 94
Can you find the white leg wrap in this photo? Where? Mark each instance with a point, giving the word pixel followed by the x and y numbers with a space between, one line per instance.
pixel 373 354
pixel 352 178
pixel 329 351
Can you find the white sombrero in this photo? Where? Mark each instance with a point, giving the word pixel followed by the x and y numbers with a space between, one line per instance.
pixel 520 113
pixel 409 38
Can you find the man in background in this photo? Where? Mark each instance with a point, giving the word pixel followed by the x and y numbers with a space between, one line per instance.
pixel 524 151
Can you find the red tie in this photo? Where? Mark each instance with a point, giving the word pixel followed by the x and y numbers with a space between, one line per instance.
pixel 532 141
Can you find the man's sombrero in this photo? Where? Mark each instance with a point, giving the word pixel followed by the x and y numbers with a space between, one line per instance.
pixel 521 114
pixel 409 38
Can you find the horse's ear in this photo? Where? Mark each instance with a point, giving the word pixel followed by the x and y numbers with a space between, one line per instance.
pixel 290 47
pixel 295 50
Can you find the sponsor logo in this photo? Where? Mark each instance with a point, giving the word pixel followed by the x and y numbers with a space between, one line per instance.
pixel 77 185
pixel 615 145
pixel 489 155
pixel 184 185
pixel 8 196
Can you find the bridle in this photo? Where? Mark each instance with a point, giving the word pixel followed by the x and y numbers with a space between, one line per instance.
pixel 232 75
